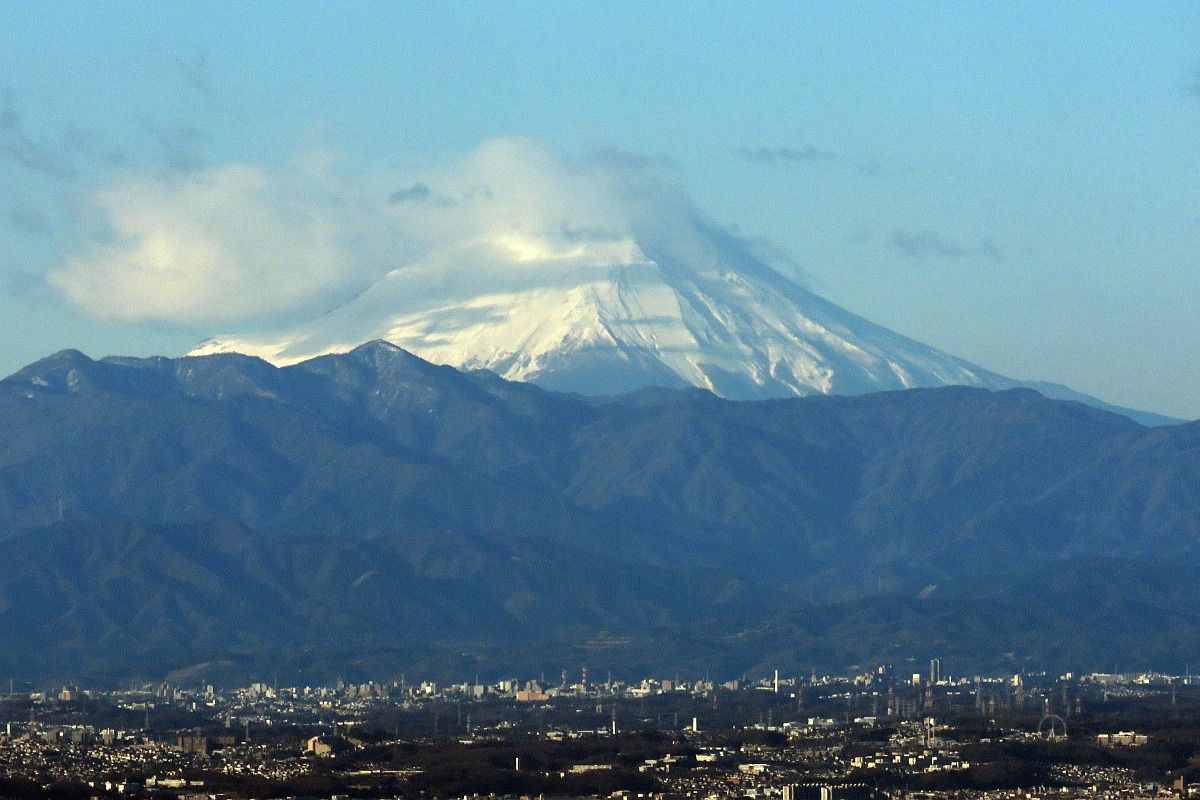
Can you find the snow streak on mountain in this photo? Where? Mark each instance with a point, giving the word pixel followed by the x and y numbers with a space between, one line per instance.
pixel 598 277
pixel 601 317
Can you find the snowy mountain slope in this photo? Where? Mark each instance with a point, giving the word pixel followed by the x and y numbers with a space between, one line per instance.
pixel 605 317
pixel 602 316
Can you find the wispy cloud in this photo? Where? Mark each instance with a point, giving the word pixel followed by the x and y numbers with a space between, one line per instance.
pixel 808 154
pixel 240 242
pixel 421 193
pixel 226 243
pixel 78 140
pixel 811 155
pixel 417 193
pixel 181 146
pixel 28 220
pixel 52 156
pixel 22 285
pixel 925 243
pixel 197 74
pixel 612 157
pixel 18 145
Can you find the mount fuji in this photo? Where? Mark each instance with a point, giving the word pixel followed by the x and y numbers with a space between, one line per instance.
pixel 601 314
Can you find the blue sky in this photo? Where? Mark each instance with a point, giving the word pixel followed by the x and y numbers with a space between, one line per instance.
pixel 1015 183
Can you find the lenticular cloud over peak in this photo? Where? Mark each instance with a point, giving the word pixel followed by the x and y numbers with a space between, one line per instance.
pixel 599 276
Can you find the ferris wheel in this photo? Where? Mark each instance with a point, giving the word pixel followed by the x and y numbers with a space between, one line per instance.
pixel 1052 728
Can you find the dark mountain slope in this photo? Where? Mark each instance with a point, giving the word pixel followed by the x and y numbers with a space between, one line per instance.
pixel 128 439
pixel 1092 613
pixel 118 595
pixel 570 514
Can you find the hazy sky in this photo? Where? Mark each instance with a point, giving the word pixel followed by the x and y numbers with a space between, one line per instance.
pixel 1015 183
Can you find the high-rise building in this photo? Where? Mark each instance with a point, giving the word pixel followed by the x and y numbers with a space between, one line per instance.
pixel 935 670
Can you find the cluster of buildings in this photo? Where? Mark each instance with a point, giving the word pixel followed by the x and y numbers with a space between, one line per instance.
pixel 818 735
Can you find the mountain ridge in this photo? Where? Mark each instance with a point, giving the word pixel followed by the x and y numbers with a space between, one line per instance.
pixel 433 430
pixel 383 510
pixel 102 602
pixel 823 501
pixel 602 316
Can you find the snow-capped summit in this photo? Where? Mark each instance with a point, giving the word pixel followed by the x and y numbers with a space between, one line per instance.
pixel 598 276
pixel 602 315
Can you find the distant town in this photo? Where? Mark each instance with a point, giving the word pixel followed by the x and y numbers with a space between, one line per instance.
pixel 882 733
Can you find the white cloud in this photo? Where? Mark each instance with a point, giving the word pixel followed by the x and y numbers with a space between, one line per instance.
pixel 240 243
pixel 519 188
pixel 221 244
pixel 538 207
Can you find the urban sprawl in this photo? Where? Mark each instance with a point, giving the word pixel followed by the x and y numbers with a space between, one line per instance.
pixel 883 733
